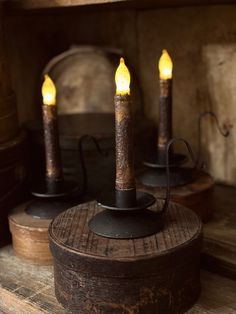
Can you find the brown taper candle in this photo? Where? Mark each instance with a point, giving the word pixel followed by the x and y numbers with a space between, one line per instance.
pixel 51 137
pixel 165 106
pixel 124 144
pixel 125 179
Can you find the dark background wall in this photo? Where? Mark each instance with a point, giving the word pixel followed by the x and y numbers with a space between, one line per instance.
pixel 201 41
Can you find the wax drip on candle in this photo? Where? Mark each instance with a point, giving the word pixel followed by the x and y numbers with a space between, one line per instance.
pixel 165 66
pixel 122 79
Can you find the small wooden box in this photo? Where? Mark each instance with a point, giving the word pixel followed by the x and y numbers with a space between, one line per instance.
pixel 30 236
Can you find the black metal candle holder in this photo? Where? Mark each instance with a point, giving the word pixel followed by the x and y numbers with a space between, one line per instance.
pixel 126 214
pixel 52 198
pixel 154 174
pixel 127 222
pixel 54 194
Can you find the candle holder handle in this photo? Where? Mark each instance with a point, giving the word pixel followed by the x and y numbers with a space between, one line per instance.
pixel 224 131
pixel 82 158
pixel 168 148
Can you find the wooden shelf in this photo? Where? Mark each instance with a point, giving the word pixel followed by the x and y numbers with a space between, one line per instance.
pixel 42 4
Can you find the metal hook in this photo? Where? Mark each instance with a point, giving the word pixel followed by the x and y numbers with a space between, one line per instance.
pixel 168 146
pixel 224 133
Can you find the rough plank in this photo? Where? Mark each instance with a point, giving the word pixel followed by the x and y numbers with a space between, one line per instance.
pixel 220 233
pixel 25 288
pixel 218 295
pixel 208 41
pixel 28 289
pixel 39 4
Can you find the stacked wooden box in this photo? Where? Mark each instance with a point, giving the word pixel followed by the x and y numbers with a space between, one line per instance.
pixel 13 149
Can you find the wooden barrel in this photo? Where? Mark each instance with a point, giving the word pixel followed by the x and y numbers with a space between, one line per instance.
pixel 159 274
pixel 8 114
pixel 5 86
pixel 8 118
pixel 13 175
pixel 13 155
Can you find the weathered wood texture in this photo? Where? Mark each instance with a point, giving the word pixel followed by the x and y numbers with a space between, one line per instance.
pixel 29 289
pixel 219 251
pixel 195 195
pixel 30 236
pixel 203 55
pixel 13 150
pixel 37 4
pixel 5 86
pixel 155 274
pixel 218 296
pixel 25 288
pixel 13 170
pixel 8 114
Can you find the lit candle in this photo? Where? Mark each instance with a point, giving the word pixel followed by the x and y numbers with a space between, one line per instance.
pixel 165 108
pixel 51 138
pixel 125 180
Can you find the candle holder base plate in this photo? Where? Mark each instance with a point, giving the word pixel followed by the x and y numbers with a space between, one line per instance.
pixel 143 201
pixel 156 177
pixel 42 208
pixel 126 224
pixel 61 188
pixel 175 160
pixel 52 200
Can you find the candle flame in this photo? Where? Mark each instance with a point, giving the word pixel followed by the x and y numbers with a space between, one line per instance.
pixel 48 91
pixel 122 79
pixel 165 66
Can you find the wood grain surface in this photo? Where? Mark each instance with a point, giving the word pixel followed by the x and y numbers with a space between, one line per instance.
pixel 25 288
pixel 70 229
pixel 29 289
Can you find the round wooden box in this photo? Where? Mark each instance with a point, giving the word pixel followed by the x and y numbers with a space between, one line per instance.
pixel 156 274
pixel 194 195
pixel 30 236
